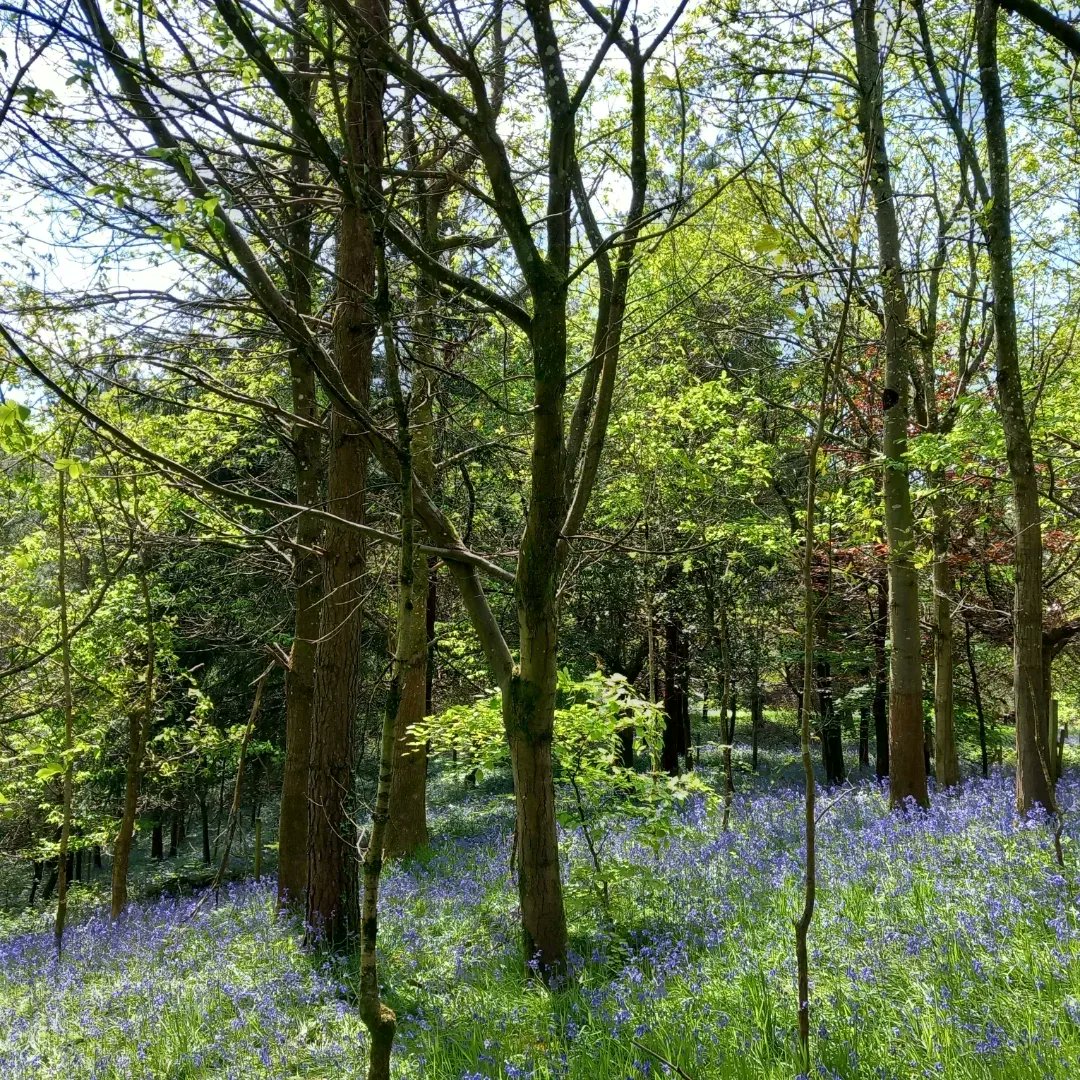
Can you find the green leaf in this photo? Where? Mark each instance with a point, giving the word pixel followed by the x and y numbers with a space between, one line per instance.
pixel 72 466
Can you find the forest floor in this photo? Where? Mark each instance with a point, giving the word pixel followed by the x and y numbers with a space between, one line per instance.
pixel 945 944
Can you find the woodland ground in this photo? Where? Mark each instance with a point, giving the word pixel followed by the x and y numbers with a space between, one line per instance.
pixel 945 944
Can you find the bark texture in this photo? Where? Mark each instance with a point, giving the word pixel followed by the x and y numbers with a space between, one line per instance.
pixel 333 869
pixel 306 579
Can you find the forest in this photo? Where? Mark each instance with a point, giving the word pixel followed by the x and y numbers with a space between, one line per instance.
pixel 539 539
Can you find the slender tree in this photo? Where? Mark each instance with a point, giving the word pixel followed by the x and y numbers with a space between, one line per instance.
pixel 1030 694
pixel 306 444
pixel 68 709
pixel 138 727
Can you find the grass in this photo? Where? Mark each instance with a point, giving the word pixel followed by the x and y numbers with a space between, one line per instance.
pixel 945 944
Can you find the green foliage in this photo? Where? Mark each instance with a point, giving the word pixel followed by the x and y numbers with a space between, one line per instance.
pixel 598 792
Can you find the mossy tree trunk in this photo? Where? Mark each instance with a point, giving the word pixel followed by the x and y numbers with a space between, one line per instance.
pixel 1030 697
pixel 907 768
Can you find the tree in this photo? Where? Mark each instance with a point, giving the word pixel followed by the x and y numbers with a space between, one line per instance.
pixel 306 439
pixel 907 772
pixel 1030 698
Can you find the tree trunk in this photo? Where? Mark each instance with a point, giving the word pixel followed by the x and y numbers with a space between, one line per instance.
pixel 157 838
pixel 333 871
pixel 907 768
pixel 539 884
pixel 529 697
pixel 727 715
pixel 673 713
pixel 306 445
pixel 832 743
pixel 406 830
pixel 685 733
pixel 755 722
pixel 69 717
pixel 1029 688
pixel 238 784
pixel 220 811
pixel 138 728
pixel 946 759
pixel 881 683
pixel 717 622
pixel 50 884
pixel 431 617
pixel 35 881
pixel 204 821
pixel 864 737
pixel 379 1018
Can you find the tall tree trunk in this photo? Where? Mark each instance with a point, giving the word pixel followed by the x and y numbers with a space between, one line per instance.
pixel 430 620
pixel 35 881
pixel 306 577
pixel 718 626
pixel 333 871
pixel 907 768
pixel 832 743
pixel 406 830
pixel 945 754
pixel 204 822
pixel 238 785
pixel 864 736
pixel 1030 698
pixel 755 721
pixel 69 716
pixel 50 884
pixel 881 680
pixel 529 697
pixel 138 727
pixel 685 734
pixel 673 712
pixel 379 1018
